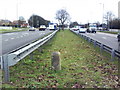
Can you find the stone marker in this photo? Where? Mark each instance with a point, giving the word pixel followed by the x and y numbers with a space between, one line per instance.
pixel 56 62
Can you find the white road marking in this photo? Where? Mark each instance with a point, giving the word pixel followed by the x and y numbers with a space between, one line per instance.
pixel 10 33
pixel 6 40
pixel 93 34
pixel 12 38
pixel 104 37
pixel 25 34
pixel 17 37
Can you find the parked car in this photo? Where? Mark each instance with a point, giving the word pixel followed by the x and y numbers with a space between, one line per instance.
pixel 82 30
pixel 42 28
pixel 31 29
pixel 118 37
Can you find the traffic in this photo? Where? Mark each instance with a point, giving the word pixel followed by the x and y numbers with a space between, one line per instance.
pixel 92 28
pixel 51 26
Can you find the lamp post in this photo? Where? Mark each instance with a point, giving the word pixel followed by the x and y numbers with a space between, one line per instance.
pixel 102 14
pixel 17 14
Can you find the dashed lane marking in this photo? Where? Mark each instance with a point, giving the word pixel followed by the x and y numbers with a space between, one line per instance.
pixel 104 37
pixel 17 37
pixel 12 38
pixel 6 40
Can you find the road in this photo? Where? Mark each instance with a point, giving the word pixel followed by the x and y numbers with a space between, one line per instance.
pixel 104 38
pixel 12 41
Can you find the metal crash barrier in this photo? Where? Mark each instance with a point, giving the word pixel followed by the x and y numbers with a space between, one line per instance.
pixel 12 58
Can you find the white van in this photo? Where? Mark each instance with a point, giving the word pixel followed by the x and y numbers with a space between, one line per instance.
pixel 52 26
pixel 92 28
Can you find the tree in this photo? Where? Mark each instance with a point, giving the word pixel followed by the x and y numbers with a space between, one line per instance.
pixel 21 21
pixel 21 18
pixel 109 16
pixel 62 16
pixel 115 23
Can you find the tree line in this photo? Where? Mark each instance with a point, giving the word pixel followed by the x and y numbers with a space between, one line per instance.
pixel 114 24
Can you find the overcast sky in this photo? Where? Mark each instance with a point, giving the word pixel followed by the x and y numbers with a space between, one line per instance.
pixel 82 11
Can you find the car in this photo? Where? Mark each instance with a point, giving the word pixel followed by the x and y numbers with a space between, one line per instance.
pixel 82 30
pixel 118 37
pixel 76 28
pixel 31 29
pixel 92 28
pixel 100 28
pixel 42 28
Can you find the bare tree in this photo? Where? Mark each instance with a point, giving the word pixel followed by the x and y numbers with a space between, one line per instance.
pixel 109 16
pixel 21 18
pixel 62 16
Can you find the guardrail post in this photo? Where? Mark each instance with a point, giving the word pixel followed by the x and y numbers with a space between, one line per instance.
pixel 5 67
pixel 1 62
pixel 31 56
pixel 89 39
pixel 81 35
pixel 84 37
pixel 118 46
pixel 40 50
pixel 94 43
pixel 101 48
pixel 112 55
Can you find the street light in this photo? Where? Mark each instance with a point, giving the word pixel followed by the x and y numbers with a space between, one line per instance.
pixel 102 14
pixel 17 13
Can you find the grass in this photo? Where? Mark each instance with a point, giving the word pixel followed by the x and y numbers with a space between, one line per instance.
pixel 12 30
pixel 82 66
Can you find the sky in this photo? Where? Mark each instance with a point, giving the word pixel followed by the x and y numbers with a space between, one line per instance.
pixel 82 11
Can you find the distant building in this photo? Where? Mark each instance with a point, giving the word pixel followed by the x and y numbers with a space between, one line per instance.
pixel 119 9
pixel 19 23
pixel 5 22
pixel 15 22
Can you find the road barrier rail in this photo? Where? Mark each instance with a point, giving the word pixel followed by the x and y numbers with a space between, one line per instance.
pixel 114 53
pixel 12 58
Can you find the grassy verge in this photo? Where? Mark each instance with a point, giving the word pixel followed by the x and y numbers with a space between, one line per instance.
pixel 82 66
pixel 109 32
pixel 12 30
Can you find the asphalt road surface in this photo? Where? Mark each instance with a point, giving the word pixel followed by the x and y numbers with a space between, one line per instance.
pixel 104 38
pixel 12 41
